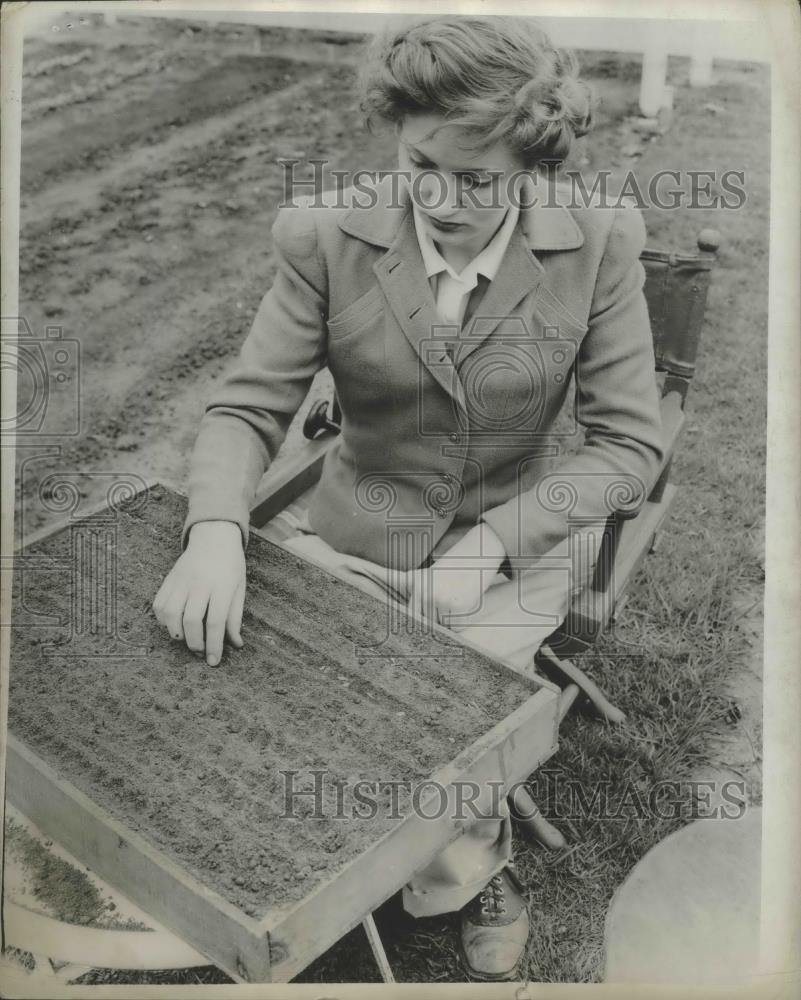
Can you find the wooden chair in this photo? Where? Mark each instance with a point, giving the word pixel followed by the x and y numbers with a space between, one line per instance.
pixel 676 287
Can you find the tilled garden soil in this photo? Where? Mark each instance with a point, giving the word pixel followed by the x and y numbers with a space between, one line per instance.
pixel 190 756
pixel 150 182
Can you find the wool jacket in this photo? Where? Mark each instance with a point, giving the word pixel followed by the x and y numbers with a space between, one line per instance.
pixel 444 426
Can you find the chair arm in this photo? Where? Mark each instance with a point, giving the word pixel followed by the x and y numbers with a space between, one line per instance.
pixel 672 423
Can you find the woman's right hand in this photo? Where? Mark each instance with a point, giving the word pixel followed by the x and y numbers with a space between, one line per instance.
pixel 206 583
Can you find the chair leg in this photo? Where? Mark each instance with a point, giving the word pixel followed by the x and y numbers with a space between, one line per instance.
pixel 377 948
pixel 566 699
pixel 575 676
pixel 528 814
pixel 524 808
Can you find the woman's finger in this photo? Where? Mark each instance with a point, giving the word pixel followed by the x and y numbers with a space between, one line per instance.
pixel 194 613
pixel 219 604
pixel 234 622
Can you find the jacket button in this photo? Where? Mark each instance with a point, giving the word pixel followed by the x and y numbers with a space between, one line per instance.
pixel 453 436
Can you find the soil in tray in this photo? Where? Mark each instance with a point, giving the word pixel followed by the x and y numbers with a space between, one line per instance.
pixel 191 756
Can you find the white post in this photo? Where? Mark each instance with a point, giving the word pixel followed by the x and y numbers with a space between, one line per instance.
pixel 654 76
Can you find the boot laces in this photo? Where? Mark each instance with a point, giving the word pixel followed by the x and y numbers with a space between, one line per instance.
pixel 492 899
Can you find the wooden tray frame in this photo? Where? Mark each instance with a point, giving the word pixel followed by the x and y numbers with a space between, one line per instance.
pixel 279 945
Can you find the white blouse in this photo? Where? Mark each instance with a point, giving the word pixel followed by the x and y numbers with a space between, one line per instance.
pixel 452 290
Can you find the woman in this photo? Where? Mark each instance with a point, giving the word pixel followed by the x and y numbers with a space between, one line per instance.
pixel 452 310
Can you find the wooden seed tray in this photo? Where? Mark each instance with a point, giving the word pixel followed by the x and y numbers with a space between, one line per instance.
pixel 163 775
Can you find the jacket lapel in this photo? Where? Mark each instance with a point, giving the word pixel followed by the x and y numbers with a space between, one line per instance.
pixel 519 275
pixel 404 282
pixel 543 225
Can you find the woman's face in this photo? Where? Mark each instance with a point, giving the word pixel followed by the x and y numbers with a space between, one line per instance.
pixel 453 184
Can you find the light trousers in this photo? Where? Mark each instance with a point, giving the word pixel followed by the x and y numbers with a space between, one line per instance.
pixel 516 616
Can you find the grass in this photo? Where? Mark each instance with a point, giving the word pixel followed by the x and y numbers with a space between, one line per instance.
pixel 678 646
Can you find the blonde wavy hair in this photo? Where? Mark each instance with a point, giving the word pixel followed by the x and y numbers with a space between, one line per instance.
pixel 498 77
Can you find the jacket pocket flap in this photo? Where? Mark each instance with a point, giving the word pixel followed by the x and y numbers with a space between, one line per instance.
pixel 365 308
